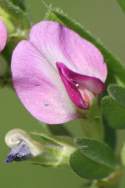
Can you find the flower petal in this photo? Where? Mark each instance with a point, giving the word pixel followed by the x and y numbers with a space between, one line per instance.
pixel 35 74
pixel 19 153
pixel 71 88
pixel 77 84
pixel 39 86
pixel 60 44
pixel 3 35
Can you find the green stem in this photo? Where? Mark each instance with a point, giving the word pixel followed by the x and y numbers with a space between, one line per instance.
pixel 112 181
pixel 110 135
pixel 91 125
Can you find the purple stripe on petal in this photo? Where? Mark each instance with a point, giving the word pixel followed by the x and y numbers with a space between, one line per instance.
pixel 77 84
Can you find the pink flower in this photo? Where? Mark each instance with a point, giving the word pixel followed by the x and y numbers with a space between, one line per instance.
pixel 3 35
pixel 56 72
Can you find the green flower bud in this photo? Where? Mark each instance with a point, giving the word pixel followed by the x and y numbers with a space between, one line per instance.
pixel 47 152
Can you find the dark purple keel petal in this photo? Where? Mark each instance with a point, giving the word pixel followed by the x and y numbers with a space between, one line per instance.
pixel 76 84
pixel 72 90
pixel 19 153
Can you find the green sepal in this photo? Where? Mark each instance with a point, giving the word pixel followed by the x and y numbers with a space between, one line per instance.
pixel 91 124
pixel 56 151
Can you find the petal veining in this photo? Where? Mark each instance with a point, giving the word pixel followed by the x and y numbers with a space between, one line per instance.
pixel 49 97
pixel 39 86
pixel 58 43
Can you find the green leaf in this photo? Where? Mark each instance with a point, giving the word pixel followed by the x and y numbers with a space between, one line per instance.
pixel 115 67
pixel 19 3
pixel 117 93
pixel 92 159
pixel 14 15
pixel 113 113
pixel 122 4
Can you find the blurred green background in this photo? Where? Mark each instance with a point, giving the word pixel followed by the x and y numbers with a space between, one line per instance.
pixel 104 19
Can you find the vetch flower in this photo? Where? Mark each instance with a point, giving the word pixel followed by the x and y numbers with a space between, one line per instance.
pixel 48 152
pixel 56 72
pixel 22 146
pixel 3 35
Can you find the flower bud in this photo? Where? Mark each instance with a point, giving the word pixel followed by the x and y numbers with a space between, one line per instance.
pixel 47 152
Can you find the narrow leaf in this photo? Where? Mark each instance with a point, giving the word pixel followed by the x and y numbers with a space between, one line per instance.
pixel 17 16
pixel 19 3
pixel 92 159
